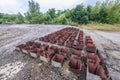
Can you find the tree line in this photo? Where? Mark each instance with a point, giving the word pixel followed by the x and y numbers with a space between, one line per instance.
pixel 106 12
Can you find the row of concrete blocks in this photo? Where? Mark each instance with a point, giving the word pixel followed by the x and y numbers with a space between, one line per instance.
pixel 67 37
pixel 93 61
pixel 75 63
pixel 90 46
pixel 42 58
pixel 94 66
pixel 47 57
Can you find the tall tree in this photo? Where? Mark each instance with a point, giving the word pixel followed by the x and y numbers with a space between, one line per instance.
pixel 33 14
pixel 52 13
pixel 19 18
pixel 33 7
pixel 113 11
pixel 1 17
pixel 61 19
pixel 80 14
pixel 89 12
pixel 95 12
pixel 102 15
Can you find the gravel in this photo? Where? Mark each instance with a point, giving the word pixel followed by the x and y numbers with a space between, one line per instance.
pixel 15 65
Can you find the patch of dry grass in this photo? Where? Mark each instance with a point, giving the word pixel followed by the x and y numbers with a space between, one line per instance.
pixel 100 26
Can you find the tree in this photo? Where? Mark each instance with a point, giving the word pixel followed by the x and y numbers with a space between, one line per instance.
pixel 89 12
pixel 103 15
pixel 1 18
pixel 52 14
pixel 19 19
pixel 85 20
pixel 33 7
pixel 46 18
pixel 79 14
pixel 37 18
pixel 113 11
pixel 59 12
pixel 4 18
pixel 68 13
pixel 33 14
pixel 61 19
pixel 106 12
pixel 95 12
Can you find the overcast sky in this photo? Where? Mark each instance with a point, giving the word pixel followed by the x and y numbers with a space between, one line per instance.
pixel 15 6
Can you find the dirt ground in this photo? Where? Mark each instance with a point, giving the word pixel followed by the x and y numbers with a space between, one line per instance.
pixel 17 66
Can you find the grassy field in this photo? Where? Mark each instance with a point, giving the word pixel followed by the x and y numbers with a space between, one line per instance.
pixel 100 26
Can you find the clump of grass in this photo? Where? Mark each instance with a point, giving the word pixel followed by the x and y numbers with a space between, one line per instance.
pixel 100 26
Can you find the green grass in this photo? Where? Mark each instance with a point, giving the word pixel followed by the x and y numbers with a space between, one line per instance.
pixel 100 26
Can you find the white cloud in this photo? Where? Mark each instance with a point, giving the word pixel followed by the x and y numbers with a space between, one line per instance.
pixel 15 6
pixel 12 6
pixel 8 2
pixel 58 4
pixel 92 2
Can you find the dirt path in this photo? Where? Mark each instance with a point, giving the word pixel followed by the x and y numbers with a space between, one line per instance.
pixel 17 66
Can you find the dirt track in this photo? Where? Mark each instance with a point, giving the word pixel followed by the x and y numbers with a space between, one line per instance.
pixel 16 66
